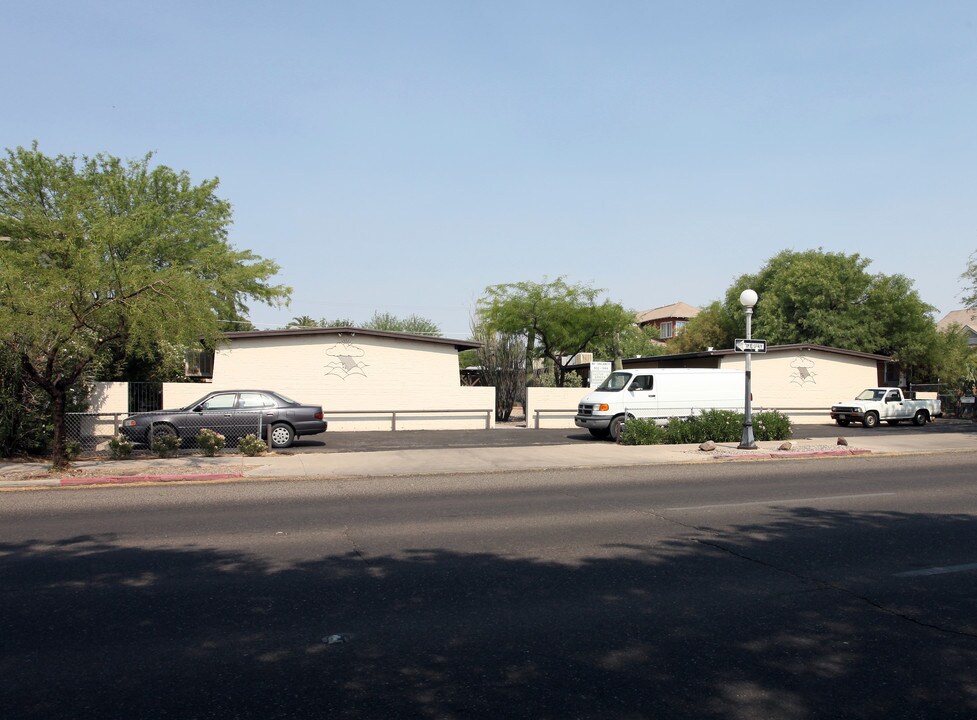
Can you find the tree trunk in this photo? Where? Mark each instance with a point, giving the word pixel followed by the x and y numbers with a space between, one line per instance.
pixel 59 458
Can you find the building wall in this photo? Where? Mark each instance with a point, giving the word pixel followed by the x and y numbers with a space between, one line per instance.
pixel 558 406
pixel 357 373
pixel 804 385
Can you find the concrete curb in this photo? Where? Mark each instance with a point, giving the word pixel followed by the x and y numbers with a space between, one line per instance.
pixel 790 454
pixel 120 479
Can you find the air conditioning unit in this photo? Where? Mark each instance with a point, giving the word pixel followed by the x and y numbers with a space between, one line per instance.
pixel 583 359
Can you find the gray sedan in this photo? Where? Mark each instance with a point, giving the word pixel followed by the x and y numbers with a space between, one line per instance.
pixel 233 414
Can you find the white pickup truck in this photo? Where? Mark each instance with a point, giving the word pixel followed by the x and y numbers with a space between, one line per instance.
pixel 875 404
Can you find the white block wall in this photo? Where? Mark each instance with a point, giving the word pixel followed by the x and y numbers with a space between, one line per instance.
pixel 557 406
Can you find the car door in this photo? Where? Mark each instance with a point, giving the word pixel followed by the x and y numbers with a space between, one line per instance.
pixel 216 412
pixel 255 412
pixel 892 407
pixel 641 400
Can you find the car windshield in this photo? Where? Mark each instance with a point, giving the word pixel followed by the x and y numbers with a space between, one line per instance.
pixel 615 382
pixel 871 394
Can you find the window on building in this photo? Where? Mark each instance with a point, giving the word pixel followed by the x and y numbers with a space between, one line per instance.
pixel 665 330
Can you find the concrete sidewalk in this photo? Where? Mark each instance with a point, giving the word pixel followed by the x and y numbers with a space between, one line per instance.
pixel 454 460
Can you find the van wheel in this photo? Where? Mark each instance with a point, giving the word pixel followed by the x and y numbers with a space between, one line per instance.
pixel 599 432
pixel 617 424
pixel 920 418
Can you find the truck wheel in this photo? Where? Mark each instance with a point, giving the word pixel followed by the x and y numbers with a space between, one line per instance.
pixel 871 420
pixel 844 422
pixel 920 418
pixel 615 427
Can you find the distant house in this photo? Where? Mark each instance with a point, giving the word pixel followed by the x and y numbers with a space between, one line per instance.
pixel 966 319
pixel 668 320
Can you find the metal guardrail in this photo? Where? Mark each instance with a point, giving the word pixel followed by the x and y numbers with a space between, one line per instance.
pixel 555 411
pixel 338 414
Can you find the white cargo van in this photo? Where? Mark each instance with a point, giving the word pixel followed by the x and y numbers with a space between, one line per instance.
pixel 660 394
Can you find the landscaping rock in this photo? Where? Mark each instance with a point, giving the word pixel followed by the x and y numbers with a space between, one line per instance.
pixel 708 446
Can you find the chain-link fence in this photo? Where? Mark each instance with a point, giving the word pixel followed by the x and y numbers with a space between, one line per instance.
pixel 127 434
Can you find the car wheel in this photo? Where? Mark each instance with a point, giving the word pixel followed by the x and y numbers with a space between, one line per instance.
pixel 281 435
pixel 870 420
pixel 614 430
pixel 844 422
pixel 920 418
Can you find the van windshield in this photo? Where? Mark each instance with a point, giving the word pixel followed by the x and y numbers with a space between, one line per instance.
pixel 615 382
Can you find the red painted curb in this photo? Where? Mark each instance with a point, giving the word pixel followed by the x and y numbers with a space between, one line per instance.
pixel 119 479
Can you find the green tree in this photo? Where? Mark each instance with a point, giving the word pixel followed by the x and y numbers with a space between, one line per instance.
pixel 98 253
pixel 302 321
pixel 970 275
pixel 632 341
pixel 558 318
pixel 831 299
pixel 712 327
pixel 825 299
pixel 411 324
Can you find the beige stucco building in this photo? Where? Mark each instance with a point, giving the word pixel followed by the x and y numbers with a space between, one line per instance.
pixel 802 381
pixel 364 379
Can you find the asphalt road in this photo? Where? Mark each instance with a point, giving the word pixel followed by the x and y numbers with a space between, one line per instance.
pixel 517 436
pixel 834 588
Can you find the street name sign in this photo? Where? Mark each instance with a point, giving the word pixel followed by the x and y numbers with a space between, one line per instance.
pixel 749 346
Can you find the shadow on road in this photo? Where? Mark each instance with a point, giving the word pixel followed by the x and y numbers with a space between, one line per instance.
pixel 718 625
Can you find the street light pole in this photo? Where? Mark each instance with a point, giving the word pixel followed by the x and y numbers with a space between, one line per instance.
pixel 748 299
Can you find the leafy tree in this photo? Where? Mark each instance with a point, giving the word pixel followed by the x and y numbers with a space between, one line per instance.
pixel 826 299
pixel 411 324
pixel 632 341
pixel 563 319
pixel 100 253
pixel 970 275
pixel 303 321
pixel 712 327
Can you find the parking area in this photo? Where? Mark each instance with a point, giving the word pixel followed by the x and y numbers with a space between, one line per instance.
pixel 517 436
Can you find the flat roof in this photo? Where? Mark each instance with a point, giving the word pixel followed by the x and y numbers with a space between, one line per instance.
pixel 353 331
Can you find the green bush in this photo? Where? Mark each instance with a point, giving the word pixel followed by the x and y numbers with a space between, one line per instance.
pixel 715 425
pixel 210 441
pixel 120 448
pixel 642 432
pixel 251 445
pixel 771 425
pixel 72 449
pixel 166 446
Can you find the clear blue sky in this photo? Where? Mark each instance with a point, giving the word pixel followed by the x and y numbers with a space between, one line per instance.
pixel 400 156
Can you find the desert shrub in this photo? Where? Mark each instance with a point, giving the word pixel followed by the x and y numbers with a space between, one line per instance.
pixel 72 449
pixel 166 446
pixel 210 441
pixel 771 425
pixel 120 448
pixel 251 445
pixel 642 432
pixel 715 425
